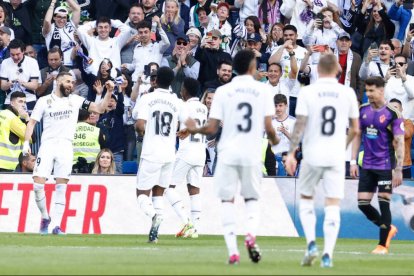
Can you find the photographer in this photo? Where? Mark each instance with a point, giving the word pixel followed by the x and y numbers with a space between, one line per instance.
pixel 399 85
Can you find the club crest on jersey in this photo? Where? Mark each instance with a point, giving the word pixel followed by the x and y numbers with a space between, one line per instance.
pixel 382 118
pixel 364 116
pixel 49 103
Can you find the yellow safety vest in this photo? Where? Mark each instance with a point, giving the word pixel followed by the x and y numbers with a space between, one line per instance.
pixel 9 152
pixel 86 142
pixel 265 144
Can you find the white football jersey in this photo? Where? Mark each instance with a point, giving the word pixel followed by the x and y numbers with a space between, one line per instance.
pixel 192 149
pixel 284 143
pixel 162 111
pixel 242 105
pixel 60 115
pixel 328 106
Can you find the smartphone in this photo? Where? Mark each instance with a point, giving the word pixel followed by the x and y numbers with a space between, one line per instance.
pixel 262 67
pixel 147 70
pixel 321 48
pixel 392 67
pixel 411 26
pixel 373 46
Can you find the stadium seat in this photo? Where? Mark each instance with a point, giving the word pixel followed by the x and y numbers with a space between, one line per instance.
pixel 129 167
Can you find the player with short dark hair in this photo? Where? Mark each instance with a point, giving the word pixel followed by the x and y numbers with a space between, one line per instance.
pixel 382 133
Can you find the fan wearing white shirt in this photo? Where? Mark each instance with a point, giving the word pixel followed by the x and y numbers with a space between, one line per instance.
pixel 283 123
pixel 245 106
pixel 188 167
pixel 158 115
pixel 323 112
pixel 59 112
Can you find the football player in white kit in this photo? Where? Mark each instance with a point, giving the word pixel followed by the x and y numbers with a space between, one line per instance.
pixel 323 112
pixel 158 116
pixel 191 157
pixel 59 111
pixel 246 108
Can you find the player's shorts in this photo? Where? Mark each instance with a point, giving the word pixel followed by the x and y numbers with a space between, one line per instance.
pixel 228 177
pixel 333 180
pixel 56 155
pixel 370 180
pixel 152 174
pixel 184 171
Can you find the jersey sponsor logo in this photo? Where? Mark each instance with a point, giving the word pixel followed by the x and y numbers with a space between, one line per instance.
pixel 60 115
pixel 372 133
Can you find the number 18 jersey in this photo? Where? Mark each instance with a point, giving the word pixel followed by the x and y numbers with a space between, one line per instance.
pixel 328 106
pixel 161 110
pixel 242 105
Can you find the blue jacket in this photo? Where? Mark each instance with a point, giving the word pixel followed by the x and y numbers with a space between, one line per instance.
pixel 403 16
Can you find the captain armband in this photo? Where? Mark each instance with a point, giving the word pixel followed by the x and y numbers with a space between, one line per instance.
pixel 86 104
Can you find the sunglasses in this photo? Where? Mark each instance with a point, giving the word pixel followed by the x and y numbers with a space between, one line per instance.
pixel 182 43
pixel 401 63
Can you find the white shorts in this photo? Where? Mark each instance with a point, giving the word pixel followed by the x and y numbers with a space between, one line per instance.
pixel 184 171
pixel 228 177
pixel 151 174
pixel 333 180
pixel 56 155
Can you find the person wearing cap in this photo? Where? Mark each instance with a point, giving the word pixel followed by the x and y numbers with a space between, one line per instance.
pixel 183 64
pixel 254 43
pixel 5 38
pixel 60 32
pixel 194 20
pixel 350 63
pixel 172 24
pixel 209 55
pixel 194 39
pixel 218 20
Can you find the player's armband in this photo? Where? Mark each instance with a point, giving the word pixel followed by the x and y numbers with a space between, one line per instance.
pixel 86 105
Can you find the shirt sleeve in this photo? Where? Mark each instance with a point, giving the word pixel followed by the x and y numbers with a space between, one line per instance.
pixel 18 128
pixel 301 105
pixel 269 106
pixel 398 126
pixel 143 108
pixel 216 111
pixel 354 111
pixel 38 110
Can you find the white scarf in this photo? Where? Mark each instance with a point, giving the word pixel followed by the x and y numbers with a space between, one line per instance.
pixel 349 59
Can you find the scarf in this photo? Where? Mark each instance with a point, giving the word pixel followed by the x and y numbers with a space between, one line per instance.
pixel 56 38
pixel 349 59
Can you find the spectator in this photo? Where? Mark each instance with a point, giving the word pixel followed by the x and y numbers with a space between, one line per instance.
pixel 60 33
pixel 203 20
pixel 269 14
pixel 242 31
pixel 218 21
pixel 20 23
pixel 254 43
pixel 20 73
pixel 275 37
pixel 194 39
pixel 247 8
pixel 26 163
pixel 370 68
pixel 112 9
pixel 183 64
pixel 103 46
pixel 81 88
pixel 136 15
pixel 185 13
pixel 104 163
pixel 30 51
pixel 88 141
pixel 400 86
pixel 408 138
pixel 194 12
pixel 147 51
pixel 151 10
pixel 5 19
pixel 224 74
pixel 172 24
pixel 5 36
pixel 402 13
pixel 99 90
pixel 49 73
pixel 278 84
pixel 111 123
pixel 210 56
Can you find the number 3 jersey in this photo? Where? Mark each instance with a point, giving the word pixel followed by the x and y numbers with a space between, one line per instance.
pixel 192 149
pixel 328 106
pixel 162 111
pixel 242 105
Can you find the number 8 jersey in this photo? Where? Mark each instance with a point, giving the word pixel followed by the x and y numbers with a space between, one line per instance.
pixel 242 105
pixel 328 106
pixel 161 110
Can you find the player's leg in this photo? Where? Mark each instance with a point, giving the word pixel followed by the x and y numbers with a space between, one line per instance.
pixel 194 180
pixel 250 184
pixel 181 169
pixel 226 182
pixel 309 177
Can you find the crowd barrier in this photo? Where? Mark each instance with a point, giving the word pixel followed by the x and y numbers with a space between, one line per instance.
pixel 107 205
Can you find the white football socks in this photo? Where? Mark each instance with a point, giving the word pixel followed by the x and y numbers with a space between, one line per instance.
pixel 195 210
pixel 158 203
pixel 145 204
pixel 307 218
pixel 176 202
pixel 60 203
pixel 229 227
pixel 331 226
pixel 253 217
pixel 40 197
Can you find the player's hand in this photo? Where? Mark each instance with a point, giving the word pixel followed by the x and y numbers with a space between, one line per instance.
pixel 191 126
pixel 397 177
pixel 183 133
pixel 291 164
pixel 26 148
pixel 110 85
pixel 353 169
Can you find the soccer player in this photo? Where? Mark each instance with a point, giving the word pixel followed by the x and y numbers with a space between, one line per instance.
pixel 158 116
pixel 245 106
pixel 323 112
pixel 383 138
pixel 59 111
pixel 189 164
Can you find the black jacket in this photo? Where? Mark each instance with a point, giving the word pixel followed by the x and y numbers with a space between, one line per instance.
pixel 209 60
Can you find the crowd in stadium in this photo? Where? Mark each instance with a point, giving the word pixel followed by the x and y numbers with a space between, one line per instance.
pixel 126 41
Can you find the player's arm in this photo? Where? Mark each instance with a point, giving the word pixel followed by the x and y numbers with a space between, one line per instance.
pixel 27 136
pixel 353 130
pixel 209 128
pixel 140 126
pixel 270 131
pixel 356 144
pixel 102 105
pixel 296 137
pixel 399 152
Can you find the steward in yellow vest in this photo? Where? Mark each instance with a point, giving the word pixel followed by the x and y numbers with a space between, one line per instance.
pixel 12 131
pixel 87 143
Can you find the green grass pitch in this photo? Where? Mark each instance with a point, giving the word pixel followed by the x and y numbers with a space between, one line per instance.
pixel 128 254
